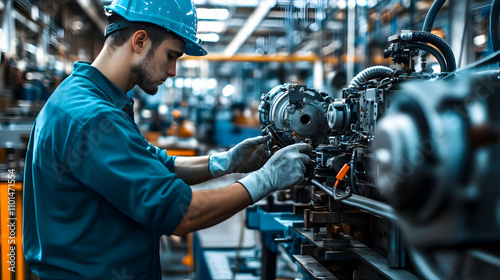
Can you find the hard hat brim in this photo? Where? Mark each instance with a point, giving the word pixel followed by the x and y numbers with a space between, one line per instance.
pixel 193 48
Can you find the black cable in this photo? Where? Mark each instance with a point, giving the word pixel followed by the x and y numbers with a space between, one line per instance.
pixel 384 82
pixel 353 166
pixel 435 40
pixel 370 73
pixel 435 52
pixel 495 10
pixel 492 58
pixel 275 137
pixel 429 22
pixel 431 15
pixel 371 206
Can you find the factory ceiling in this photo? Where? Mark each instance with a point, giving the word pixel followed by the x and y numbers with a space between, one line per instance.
pixel 260 27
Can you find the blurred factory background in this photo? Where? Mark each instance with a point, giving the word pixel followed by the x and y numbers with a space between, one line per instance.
pixel 252 45
pixel 212 103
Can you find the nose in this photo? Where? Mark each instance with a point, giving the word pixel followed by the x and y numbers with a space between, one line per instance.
pixel 172 68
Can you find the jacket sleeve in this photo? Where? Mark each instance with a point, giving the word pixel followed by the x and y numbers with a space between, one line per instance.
pixel 161 155
pixel 110 156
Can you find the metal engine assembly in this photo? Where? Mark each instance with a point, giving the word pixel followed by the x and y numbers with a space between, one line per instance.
pixel 293 111
pixel 402 185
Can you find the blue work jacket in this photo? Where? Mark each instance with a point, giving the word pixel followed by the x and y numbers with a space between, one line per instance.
pixel 97 195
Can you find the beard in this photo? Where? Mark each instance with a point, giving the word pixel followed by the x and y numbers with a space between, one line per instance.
pixel 143 78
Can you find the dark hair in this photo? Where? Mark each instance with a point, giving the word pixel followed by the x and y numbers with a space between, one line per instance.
pixel 155 33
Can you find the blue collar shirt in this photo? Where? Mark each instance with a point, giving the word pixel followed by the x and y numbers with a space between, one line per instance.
pixel 97 195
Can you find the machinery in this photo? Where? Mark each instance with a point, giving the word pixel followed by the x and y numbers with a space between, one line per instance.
pixel 403 181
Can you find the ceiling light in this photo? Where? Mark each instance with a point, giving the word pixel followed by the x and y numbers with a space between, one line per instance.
pixel 362 3
pixel 372 3
pixel 212 83
pixel 197 84
pixel 480 40
pixel 211 26
pixel 146 114
pixel 188 82
pixel 209 37
pixel 212 14
pixel 228 90
pixel 342 4
pixel 191 63
pixel 162 109
pixel 179 83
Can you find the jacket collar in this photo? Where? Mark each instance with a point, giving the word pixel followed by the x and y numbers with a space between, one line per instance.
pixel 111 92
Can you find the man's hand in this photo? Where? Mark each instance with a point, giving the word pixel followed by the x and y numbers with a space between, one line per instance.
pixel 285 168
pixel 247 156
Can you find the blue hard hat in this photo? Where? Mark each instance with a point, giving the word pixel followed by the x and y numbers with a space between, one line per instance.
pixel 177 16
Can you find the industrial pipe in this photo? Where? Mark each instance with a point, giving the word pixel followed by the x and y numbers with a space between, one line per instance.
pixel 431 15
pixel 435 40
pixel 494 13
pixel 438 55
pixel 373 72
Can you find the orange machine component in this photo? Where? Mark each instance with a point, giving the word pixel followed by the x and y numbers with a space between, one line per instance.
pixel 340 176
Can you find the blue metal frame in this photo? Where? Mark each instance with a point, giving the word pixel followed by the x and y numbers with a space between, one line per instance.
pixel 275 227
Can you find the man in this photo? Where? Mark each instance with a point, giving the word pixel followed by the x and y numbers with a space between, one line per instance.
pixel 98 196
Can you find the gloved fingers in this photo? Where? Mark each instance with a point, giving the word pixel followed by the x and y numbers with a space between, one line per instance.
pixel 296 175
pixel 262 139
pixel 264 153
pixel 305 158
pixel 300 147
pixel 302 168
pixel 258 140
pixel 303 147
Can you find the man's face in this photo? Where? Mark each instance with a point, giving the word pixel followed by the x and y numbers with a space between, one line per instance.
pixel 157 65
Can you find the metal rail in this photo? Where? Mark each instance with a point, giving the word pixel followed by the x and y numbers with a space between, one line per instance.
pixel 369 205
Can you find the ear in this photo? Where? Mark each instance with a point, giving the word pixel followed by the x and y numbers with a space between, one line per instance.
pixel 139 41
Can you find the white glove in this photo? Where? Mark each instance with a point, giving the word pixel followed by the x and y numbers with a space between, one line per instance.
pixel 247 156
pixel 285 168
